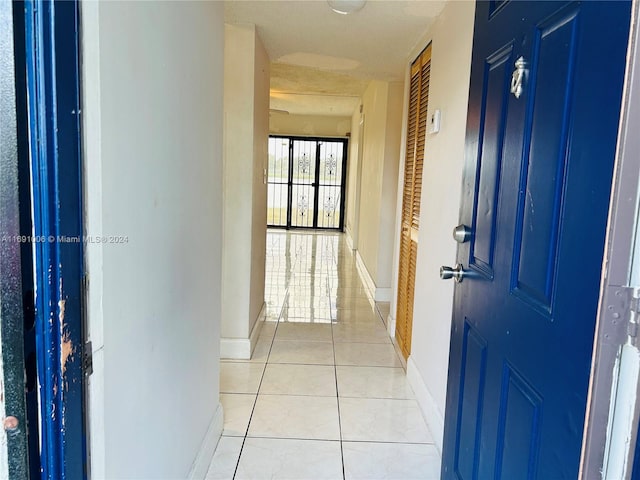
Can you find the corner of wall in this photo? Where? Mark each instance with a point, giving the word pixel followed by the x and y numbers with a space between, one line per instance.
pixel 246 131
pixel 242 348
pixel 261 81
pixel 208 446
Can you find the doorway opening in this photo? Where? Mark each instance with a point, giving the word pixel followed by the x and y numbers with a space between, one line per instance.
pixel 306 182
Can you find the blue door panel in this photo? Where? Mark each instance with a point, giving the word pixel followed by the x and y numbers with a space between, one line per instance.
pixel 536 192
pixel 472 377
pixel 497 77
pixel 519 427
pixel 551 86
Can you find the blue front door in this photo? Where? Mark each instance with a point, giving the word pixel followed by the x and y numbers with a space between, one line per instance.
pixel 52 63
pixel 544 104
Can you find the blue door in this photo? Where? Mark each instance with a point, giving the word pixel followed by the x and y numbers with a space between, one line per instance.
pixel 51 60
pixel 544 104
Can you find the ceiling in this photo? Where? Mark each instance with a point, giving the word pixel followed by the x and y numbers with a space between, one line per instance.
pixel 322 61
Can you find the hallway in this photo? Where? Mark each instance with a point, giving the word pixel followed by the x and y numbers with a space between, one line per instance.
pixel 325 394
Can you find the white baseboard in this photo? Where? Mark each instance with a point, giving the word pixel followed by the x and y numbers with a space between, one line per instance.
pixel 368 282
pixel 430 411
pixel 378 294
pixel 352 243
pixel 383 294
pixel 348 238
pixel 242 348
pixel 257 327
pixel 208 447
pixel 391 326
pixel 235 348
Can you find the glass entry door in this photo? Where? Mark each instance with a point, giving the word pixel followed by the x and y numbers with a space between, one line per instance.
pixel 306 182
pixel 303 184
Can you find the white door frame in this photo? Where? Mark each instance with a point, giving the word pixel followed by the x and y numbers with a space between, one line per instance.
pixel 613 409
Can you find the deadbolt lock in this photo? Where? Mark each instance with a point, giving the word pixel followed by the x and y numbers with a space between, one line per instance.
pixel 462 234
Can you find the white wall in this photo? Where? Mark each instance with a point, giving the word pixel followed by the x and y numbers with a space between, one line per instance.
pixel 352 202
pixel 389 188
pixel 382 109
pixel 246 132
pixel 260 166
pixel 309 125
pixel 152 79
pixel 374 104
pixel 441 189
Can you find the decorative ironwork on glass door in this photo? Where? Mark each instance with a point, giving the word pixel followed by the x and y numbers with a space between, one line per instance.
pixel 303 183
pixel 278 184
pixel 306 182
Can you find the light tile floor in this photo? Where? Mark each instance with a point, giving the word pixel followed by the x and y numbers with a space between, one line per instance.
pixel 324 395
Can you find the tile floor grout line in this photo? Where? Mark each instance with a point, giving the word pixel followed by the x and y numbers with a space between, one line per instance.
pixel 392 442
pixel 314 395
pixel 264 370
pixel 328 440
pixel 335 366
pixel 335 370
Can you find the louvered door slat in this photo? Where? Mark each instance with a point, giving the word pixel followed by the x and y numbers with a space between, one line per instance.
pixel 411 277
pixel 411 195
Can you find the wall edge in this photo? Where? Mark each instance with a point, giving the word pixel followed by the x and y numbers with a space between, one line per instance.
pixel 208 447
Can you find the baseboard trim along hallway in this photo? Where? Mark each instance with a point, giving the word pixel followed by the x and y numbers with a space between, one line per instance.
pixel 430 411
pixel 242 348
pixel 379 294
pixel 209 443
pixel 383 294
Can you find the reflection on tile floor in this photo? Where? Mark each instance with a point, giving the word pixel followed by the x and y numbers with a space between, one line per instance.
pixel 325 395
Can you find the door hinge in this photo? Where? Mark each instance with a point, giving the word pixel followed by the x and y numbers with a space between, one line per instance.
pixel 84 292
pixel 633 302
pixel 87 359
pixel 87 348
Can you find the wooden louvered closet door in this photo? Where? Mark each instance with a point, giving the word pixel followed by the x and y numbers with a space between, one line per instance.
pixel 414 160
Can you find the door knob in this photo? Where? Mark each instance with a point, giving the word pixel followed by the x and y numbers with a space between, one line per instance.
pixel 457 273
pixel 462 234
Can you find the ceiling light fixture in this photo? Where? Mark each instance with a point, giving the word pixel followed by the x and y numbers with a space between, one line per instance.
pixel 345 7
